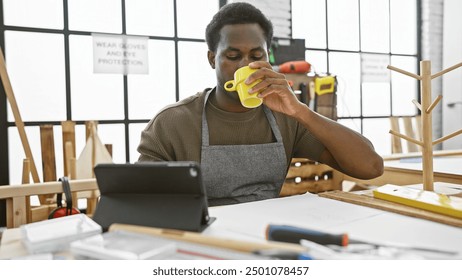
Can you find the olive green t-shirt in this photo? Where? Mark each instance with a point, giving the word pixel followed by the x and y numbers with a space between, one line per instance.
pixel 174 134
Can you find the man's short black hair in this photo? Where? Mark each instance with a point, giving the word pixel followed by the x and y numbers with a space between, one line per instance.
pixel 236 13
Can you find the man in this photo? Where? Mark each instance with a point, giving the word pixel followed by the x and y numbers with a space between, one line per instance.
pixel 245 153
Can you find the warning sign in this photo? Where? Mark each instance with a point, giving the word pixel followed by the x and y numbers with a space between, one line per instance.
pixel 374 68
pixel 120 54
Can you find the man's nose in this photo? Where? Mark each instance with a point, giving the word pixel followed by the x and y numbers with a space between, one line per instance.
pixel 244 62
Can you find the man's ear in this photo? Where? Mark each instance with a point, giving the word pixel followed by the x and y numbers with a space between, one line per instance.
pixel 211 57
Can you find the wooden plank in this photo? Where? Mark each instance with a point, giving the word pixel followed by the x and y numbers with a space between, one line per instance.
pixel 40 213
pixel 68 128
pixel 48 158
pixel 396 146
pixel 9 212
pixel 17 214
pixel 26 180
pixel 48 153
pixel 10 191
pixel 25 171
pixel 90 131
pixel 409 131
pixel 366 199
pixel 71 172
pixel 72 167
pixel 68 157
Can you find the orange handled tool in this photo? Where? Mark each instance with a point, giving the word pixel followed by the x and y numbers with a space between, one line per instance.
pixel 290 67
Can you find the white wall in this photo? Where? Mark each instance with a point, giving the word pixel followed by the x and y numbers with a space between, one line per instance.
pixel 452 81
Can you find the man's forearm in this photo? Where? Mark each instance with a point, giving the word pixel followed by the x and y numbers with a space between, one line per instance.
pixel 353 153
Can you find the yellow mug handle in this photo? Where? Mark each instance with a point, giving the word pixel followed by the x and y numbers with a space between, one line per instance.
pixel 230 86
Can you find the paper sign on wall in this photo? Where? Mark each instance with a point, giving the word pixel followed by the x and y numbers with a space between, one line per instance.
pixel 374 68
pixel 120 54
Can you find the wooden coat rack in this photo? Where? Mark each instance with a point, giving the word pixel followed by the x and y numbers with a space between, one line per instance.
pixel 426 108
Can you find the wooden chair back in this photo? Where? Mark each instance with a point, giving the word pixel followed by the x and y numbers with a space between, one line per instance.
pixel 305 175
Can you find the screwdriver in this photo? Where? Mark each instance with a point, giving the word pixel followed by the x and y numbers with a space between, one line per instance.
pixel 294 234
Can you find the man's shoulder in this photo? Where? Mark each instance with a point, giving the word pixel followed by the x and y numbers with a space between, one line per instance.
pixel 185 108
pixel 179 114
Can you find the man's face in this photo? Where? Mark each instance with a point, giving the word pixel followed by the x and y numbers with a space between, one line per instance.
pixel 239 45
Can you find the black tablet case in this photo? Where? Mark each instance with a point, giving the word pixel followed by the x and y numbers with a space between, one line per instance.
pixel 156 194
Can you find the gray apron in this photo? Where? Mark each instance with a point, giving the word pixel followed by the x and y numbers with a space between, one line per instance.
pixel 241 173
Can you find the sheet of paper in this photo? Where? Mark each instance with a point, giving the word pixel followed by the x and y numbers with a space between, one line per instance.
pixel 391 228
pixel 306 210
pixel 248 221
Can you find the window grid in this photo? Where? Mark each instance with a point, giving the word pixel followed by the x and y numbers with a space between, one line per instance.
pixel 328 50
pixel 5 124
pixel 361 117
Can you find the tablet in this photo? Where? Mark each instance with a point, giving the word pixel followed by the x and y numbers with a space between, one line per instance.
pixel 156 194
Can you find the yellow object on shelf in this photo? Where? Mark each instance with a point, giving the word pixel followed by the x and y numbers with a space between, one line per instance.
pixel 324 85
pixel 427 200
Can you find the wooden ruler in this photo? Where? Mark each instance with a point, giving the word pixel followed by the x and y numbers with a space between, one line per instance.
pixel 369 201
pixel 427 200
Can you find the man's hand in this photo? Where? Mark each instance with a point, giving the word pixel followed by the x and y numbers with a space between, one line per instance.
pixel 274 89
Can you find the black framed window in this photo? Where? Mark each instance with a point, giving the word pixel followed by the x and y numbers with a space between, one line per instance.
pixel 48 49
pixel 341 36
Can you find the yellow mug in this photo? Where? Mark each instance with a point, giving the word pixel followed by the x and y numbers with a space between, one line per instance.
pixel 248 100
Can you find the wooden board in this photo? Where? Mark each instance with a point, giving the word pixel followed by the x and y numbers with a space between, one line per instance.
pixel 68 128
pixel 48 159
pixel 366 199
pixel 416 198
